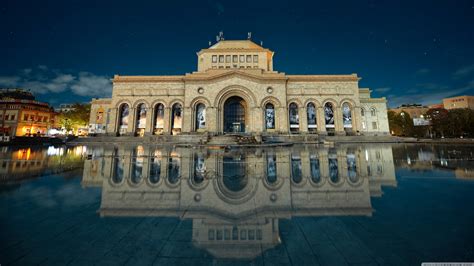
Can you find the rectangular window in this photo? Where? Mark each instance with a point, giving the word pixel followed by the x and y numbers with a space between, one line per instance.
pixel 242 58
pixel 234 59
pixel 221 66
pixel 255 58
pixel 249 59
pixel 221 59
pixel 249 66
pixel 6 117
pixel 13 117
pixel 235 66
pixel 227 58
pixel 25 117
pixel 374 125
pixel 214 59
pixel 45 119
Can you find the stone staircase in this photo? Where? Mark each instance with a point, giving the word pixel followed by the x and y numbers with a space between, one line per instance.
pixel 231 139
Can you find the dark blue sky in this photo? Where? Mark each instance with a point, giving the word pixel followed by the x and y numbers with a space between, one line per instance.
pixel 65 51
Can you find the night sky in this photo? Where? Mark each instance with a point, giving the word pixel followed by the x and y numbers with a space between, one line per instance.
pixel 67 51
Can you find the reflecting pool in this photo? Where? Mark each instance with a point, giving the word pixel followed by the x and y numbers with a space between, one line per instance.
pixel 376 204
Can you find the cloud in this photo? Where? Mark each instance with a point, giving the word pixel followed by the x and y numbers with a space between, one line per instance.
pixel 383 90
pixel 43 80
pixel 429 96
pixel 463 72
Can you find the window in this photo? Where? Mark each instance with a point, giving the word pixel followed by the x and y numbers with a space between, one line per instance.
pixel 25 117
pixel 234 66
pixel 200 116
pixel 221 66
pixel 214 59
pixel 234 59
pixel 374 125
pixel 13 117
pixel 269 116
pixel 6 117
pixel 249 66
pixel 45 118
pixel 372 112
pixel 362 112
pixel 227 58
pixel 255 58
pixel 293 117
pixel 242 58
pixel 249 59
pixel 221 59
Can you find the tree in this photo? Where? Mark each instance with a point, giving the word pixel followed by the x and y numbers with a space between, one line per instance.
pixel 76 118
pixel 439 118
pixel 400 124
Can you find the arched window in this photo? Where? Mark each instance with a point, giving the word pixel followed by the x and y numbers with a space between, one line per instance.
pixel 333 168
pixel 296 171
pixel 141 119
pixel 352 167
pixel 124 112
pixel 315 169
pixel 329 115
pixel 158 121
pixel 294 117
pixel 155 167
pixel 311 113
pixel 199 169
pixel 271 168
pixel 118 166
pixel 174 168
pixel 200 116
pixel 176 118
pixel 269 116
pixel 346 115
pixel 373 112
pixel 138 157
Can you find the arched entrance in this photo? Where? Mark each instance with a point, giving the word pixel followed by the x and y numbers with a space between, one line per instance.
pixel 234 115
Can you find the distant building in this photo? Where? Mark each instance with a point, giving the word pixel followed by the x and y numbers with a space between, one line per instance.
pixel 99 116
pixel 66 107
pixel 414 110
pixel 22 115
pixel 436 106
pixel 459 102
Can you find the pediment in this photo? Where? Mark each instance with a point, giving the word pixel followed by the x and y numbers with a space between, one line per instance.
pixel 234 73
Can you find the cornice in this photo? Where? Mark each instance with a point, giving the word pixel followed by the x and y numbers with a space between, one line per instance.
pixel 351 78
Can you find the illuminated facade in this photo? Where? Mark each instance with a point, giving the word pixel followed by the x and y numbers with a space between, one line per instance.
pixel 22 115
pixel 236 90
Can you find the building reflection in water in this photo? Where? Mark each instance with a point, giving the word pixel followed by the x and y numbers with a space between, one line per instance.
pixel 236 198
pixel 18 163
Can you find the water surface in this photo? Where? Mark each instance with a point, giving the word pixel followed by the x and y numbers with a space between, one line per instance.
pixel 348 204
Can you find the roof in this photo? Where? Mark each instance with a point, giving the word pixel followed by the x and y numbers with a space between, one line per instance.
pixel 236 44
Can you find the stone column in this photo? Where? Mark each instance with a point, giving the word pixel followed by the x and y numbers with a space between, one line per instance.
pixel 112 126
pixel 338 125
pixel 149 121
pixel 303 114
pixel 132 121
pixel 187 120
pixel 320 120
pixel 356 120
pixel 323 163
pixel 283 124
pixel 257 120
pixel 305 165
pixel 167 121
pixel 211 119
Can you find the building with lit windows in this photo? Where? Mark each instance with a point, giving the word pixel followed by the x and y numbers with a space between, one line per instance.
pixel 236 90
pixel 22 115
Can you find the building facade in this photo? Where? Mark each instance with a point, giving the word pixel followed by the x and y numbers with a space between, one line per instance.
pixel 22 115
pixel 236 90
pixel 459 102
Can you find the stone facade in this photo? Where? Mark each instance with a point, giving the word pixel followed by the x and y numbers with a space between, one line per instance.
pixel 236 90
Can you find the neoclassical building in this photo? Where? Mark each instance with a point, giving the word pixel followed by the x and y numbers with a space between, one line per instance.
pixel 236 90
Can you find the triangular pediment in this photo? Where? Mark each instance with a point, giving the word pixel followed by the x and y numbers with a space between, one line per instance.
pixel 257 75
